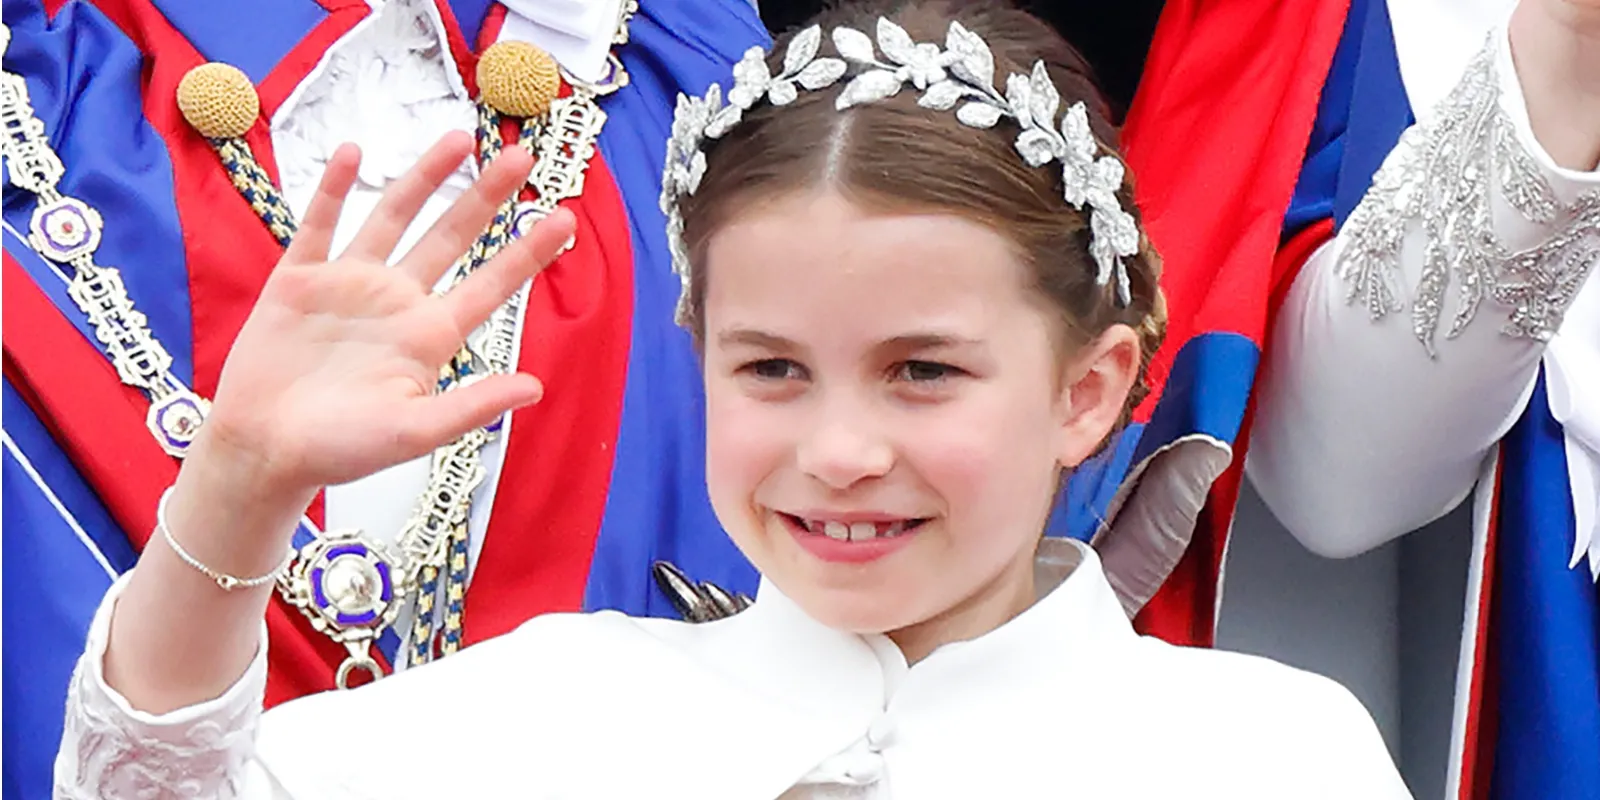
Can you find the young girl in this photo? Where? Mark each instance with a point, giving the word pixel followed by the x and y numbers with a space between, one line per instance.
pixel 912 263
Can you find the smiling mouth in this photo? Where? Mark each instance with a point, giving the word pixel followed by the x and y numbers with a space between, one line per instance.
pixel 854 531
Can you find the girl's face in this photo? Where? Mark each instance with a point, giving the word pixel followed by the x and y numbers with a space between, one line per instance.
pixel 888 409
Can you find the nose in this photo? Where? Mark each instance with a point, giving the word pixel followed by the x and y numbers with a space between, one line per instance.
pixel 840 452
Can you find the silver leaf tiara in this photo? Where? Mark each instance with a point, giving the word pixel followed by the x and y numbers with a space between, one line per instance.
pixel 962 73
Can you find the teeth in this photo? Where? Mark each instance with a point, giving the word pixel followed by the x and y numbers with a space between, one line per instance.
pixel 856 531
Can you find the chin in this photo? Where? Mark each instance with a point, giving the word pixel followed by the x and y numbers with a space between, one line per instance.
pixel 855 610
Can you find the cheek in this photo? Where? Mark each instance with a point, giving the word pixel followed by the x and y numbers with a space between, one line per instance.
pixel 991 458
pixel 743 445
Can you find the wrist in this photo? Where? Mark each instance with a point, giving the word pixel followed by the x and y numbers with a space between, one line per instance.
pixel 1555 47
pixel 232 510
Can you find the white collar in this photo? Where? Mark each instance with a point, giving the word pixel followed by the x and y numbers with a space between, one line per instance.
pixel 1073 622
pixel 803 693
pixel 578 33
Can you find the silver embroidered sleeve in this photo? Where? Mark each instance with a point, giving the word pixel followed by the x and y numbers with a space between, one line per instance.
pixel 1446 180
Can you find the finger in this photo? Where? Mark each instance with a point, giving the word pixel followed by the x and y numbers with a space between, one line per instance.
pixel 404 198
pixel 474 299
pixel 436 420
pixel 315 235
pixel 454 232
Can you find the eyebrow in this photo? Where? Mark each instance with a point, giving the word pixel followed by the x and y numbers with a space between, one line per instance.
pixel 912 342
pixel 754 338
pixel 908 342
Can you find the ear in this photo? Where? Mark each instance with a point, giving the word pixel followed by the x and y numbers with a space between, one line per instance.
pixel 1095 388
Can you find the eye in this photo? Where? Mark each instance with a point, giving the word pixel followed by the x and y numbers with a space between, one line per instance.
pixel 774 369
pixel 925 372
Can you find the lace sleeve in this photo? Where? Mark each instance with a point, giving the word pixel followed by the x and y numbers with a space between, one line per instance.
pixel 109 750
pixel 1410 343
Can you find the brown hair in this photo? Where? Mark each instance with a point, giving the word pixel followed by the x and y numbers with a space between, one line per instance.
pixel 893 155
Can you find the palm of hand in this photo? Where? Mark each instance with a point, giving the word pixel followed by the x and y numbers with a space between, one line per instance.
pixel 332 377
pixel 343 351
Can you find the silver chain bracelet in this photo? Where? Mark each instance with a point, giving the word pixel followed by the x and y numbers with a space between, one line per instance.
pixel 227 582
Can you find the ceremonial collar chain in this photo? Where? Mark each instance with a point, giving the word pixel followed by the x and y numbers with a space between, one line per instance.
pixel 959 74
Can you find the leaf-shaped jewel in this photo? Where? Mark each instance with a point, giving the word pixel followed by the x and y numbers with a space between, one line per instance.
pixel 821 73
pixel 750 78
pixel 689 119
pixel 895 43
pixel 1105 178
pixel 674 224
pixel 942 96
pixel 669 193
pixel 723 121
pixel 678 248
pixel 1019 97
pixel 752 66
pixel 802 49
pixel 1124 290
pixel 1045 101
pixel 1477 277
pixel 1075 180
pixel 676 179
pixel 1522 183
pixel 978 115
pixel 1117 228
pixel 868 87
pixel 976 63
pixel 854 45
pixel 1075 129
pixel 744 95
pixel 1037 146
pixel 924 66
pixel 697 170
pixel 1100 248
pixel 681 121
pixel 782 93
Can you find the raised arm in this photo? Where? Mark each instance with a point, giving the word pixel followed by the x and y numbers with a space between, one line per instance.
pixel 331 378
pixel 1410 343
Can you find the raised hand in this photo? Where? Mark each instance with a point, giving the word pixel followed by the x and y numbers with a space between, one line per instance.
pixel 332 377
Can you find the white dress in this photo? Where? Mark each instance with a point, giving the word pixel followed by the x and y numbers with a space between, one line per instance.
pixel 1063 701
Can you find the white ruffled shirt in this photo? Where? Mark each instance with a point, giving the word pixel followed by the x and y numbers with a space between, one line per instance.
pixel 1064 700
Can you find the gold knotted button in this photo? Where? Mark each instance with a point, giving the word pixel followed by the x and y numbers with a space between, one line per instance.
pixel 518 79
pixel 218 100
